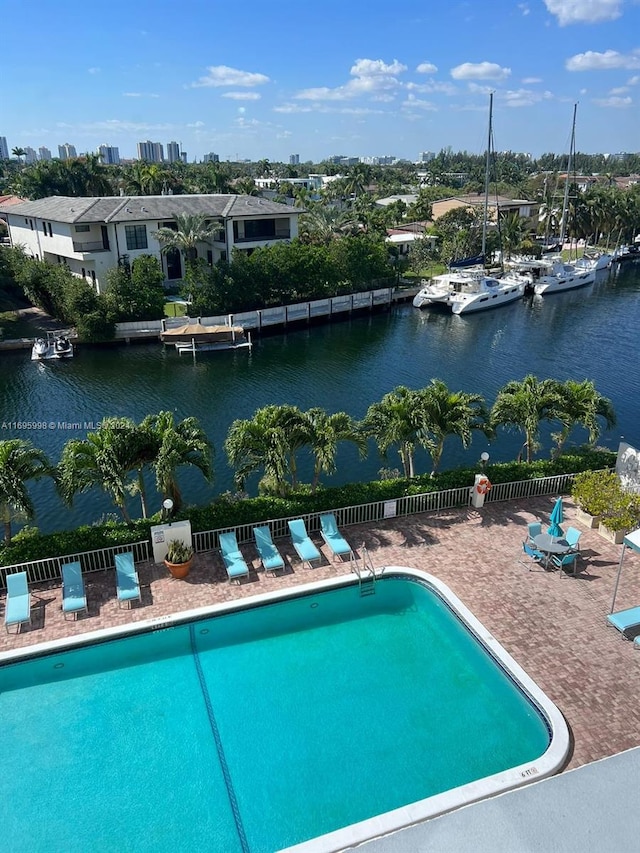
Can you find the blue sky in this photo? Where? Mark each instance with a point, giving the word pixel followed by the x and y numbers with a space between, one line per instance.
pixel 270 79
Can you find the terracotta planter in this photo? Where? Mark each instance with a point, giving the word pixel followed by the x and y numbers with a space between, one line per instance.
pixel 615 536
pixel 179 570
pixel 586 520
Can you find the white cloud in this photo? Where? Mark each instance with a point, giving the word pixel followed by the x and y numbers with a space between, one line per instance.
pixel 432 86
pixel 417 103
pixel 530 81
pixel 619 90
pixel 242 110
pixel 93 70
pixel 594 61
pixel 139 95
pixel 426 68
pixel 242 96
pixel 223 75
pixel 480 71
pixel 524 97
pixel 477 89
pixel 524 8
pixel 196 124
pixel 613 101
pixel 292 108
pixel 584 11
pixel 633 81
pixel 369 77
pixel 284 135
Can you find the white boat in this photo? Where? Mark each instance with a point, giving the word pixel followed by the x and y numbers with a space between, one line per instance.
pixel 484 292
pixel 434 292
pixel 195 337
pixel 594 260
pixel 562 275
pixel 56 345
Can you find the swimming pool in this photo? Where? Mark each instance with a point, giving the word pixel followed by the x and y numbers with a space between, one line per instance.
pixel 260 725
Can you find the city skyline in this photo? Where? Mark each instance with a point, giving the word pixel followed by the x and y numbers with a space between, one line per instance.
pixel 397 82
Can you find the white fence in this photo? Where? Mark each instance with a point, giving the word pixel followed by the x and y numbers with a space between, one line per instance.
pixel 208 540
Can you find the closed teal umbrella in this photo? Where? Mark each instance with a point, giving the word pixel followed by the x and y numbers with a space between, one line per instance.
pixel 555 518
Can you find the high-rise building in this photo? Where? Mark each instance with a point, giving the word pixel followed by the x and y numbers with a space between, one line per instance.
pixel 211 158
pixel 183 156
pixel 109 154
pixel 66 151
pixel 30 155
pixel 426 156
pixel 173 152
pixel 152 152
pixel 44 153
pixel 4 148
pixel 294 159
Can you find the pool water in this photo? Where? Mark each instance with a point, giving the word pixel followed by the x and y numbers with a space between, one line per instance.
pixel 258 729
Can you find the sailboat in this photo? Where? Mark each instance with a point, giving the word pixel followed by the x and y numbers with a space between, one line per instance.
pixel 479 292
pixel 561 276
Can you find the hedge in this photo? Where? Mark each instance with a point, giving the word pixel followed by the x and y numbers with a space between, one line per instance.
pixel 230 512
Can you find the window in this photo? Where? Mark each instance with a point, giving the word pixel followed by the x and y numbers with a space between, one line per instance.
pixel 31 223
pixel 93 277
pixel 44 228
pixel 136 236
pixel 84 273
pixel 82 229
pixel 210 257
pixel 50 232
pixel 259 229
pixel 26 221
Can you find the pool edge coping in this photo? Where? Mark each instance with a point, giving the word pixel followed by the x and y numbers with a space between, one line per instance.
pixel 396 819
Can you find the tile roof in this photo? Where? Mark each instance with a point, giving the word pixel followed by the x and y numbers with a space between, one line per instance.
pixel 141 208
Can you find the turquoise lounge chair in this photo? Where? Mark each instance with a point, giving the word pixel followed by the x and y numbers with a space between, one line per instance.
pixel 74 599
pixel 270 557
pixel 233 560
pixel 18 604
pixel 305 549
pixel 127 581
pixel 625 619
pixel 337 544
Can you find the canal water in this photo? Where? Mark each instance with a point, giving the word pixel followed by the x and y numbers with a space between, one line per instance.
pixel 589 333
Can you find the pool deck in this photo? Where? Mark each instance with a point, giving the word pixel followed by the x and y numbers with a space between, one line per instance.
pixel 555 627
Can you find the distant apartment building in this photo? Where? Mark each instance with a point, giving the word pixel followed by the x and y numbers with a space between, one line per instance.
pixel 211 158
pixel 44 153
pixel 173 152
pixel 426 156
pixel 109 154
pixel 183 156
pixel 4 148
pixel 30 155
pixel 294 159
pixel 67 151
pixel 152 152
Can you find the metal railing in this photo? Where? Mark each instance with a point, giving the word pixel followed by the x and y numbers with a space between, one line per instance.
pixel 90 561
pixel 208 540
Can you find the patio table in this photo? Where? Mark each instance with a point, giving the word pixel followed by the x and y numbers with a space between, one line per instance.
pixel 549 545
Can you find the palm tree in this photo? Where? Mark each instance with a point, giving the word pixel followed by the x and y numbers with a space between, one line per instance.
pixel 268 442
pixel 20 461
pixel 513 229
pixel 176 444
pixel 102 459
pixel 524 405
pixel 19 153
pixel 324 432
pixel 397 419
pixel 582 405
pixel 191 229
pixel 322 224
pixel 450 413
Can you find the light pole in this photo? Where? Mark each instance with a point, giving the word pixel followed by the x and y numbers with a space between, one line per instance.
pixel 484 458
pixel 167 506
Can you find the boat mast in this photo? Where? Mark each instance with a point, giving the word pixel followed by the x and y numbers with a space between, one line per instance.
pixel 486 182
pixel 565 201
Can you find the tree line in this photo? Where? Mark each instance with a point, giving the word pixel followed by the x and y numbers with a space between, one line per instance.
pixel 272 443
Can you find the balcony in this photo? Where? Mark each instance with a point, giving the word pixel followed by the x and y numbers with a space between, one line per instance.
pixel 95 246
pixel 281 235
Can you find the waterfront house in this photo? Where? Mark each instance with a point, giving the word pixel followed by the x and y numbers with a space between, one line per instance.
pixel 522 207
pixel 92 235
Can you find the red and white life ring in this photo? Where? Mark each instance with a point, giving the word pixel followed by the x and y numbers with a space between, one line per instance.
pixel 483 486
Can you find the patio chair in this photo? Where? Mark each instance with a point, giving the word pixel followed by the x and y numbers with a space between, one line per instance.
pixel 233 560
pixel 127 581
pixel 532 556
pixel 337 544
pixel 305 549
pixel 565 562
pixel 572 536
pixel 18 604
pixel 625 619
pixel 74 599
pixel 535 529
pixel 270 557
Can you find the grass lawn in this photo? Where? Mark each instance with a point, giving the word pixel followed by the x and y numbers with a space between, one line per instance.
pixel 175 309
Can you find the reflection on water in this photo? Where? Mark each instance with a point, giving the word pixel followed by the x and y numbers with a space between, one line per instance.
pixel 586 333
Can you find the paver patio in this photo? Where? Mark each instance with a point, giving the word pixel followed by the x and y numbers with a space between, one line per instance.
pixel 555 627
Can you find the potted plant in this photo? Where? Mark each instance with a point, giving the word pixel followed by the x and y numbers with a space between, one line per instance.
pixel 621 516
pixel 593 491
pixel 179 558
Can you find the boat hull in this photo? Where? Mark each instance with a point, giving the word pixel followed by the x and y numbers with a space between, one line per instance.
pixel 487 302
